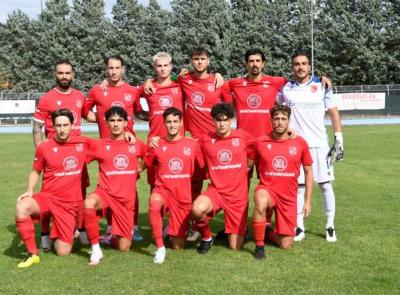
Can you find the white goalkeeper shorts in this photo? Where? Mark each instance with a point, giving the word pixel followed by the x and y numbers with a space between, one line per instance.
pixel 322 166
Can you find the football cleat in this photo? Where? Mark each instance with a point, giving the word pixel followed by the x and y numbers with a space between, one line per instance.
pixel 159 256
pixel 331 235
pixel 204 246
pixel 45 243
pixel 106 238
pixel 30 260
pixel 268 229
pixel 95 257
pixel 259 252
pixel 300 235
pixel 83 238
pixel 137 235
pixel 193 236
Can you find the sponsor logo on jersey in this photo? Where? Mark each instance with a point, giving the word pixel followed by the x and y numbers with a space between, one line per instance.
pixel 70 163
pixel 175 90
pixel 224 156
pixel 165 102
pixel 79 103
pixel 175 165
pixel 279 163
pixel 121 162
pixel 313 88
pixel 118 104
pixel 253 101
pixel 235 141
pixel 211 87
pixel 79 147
pixel 128 97
pixel 132 149
pixel 197 98
pixel 291 103
pixel 55 149
pixel 187 151
pixel 292 150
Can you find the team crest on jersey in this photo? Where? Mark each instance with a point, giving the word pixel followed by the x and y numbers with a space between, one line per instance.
pixel 55 149
pixel 224 156
pixel 108 147
pixel 79 147
pixel 292 150
pixel 118 104
pixel 58 102
pixel 175 90
pixel 128 97
pixel 279 163
pixel 187 151
pixel 121 162
pixel 79 104
pixel 314 88
pixel 269 146
pixel 165 102
pixel 266 84
pixel 211 87
pixel 132 149
pixel 253 101
pixel 175 165
pixel 235 141
pixel 197 98
pixel 70 163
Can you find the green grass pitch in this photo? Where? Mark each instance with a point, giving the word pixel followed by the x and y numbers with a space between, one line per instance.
pixel 365 260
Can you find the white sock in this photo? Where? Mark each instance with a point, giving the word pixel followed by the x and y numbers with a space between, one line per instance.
pixel 96 248
pixel 328 197
pixel 300 206
pixel 207 240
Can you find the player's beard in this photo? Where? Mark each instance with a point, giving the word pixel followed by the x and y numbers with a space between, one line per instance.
pixel 64 84
pixel 255 71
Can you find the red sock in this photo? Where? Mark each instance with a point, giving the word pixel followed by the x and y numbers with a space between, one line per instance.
pixel 203 228
pixel 259 232
pixel 109 217
pixel 45 224
pixel 155 217
pixel 80 223
pixel 92 225
pixel 136 216
pixel 27 231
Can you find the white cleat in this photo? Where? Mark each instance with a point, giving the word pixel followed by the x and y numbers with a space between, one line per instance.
pixel 193 236
pixel 45 243
pixel 95 257
pixel 331 235
pixel 159 256
pixel 83 238
pixel 300 235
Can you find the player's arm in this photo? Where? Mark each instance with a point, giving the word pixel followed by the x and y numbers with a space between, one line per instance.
pixel 37 132
pixel 87 110
pixel 142 115
pixel 336 124
pixel 309 182
pixel 32 181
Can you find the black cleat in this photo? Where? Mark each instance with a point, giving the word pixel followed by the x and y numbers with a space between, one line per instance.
pixel 204 246
pixel 221 236
pixel 268 229
pixel 259 252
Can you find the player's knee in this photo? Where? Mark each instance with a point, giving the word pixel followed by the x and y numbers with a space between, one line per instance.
pixel 197 212
pixel 154 205
pixel 22 208
pixel 63 251
pixel 125 247
pixel 91 202
pixel 286 244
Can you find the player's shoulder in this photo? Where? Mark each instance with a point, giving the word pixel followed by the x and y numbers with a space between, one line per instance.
pixel 236 81
pixel 77 92
pixel 274 79
pixel 299 139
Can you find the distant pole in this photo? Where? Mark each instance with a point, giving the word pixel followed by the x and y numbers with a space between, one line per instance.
pixel 312 36
pixel 41 6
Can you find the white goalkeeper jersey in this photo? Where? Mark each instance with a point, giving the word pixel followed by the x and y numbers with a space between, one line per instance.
pixel 308 103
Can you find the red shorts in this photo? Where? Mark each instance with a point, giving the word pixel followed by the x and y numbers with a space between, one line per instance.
pixel 235 212
pixel 285 212
pixel 63 214
pixel 122 214
pixel 179 214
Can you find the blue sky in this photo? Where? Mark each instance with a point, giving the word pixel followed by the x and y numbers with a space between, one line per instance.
pixel 32 7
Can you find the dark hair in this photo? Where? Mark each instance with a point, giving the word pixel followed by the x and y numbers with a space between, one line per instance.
pixel 116 110
pixel 301 52
pixel 116 57
pixel 280 108
pixel 172 111
pixel 62 112
pixel 199 51
pixel 220 109
pixel 63 62
pixel 254 51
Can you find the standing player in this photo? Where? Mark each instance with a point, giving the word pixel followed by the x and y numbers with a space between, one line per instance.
pixel 116 188
pixel 174 158
pixel 61 159
pixel 280 158
pixel 308 100
pixel 225 155
pixel 118 93
pixel 62 96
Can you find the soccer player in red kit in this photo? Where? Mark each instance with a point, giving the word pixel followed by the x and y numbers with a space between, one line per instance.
pixel 280 158
pixel 225 155
pixel 61 159
pixel 116 93
pixel 116 188
pixel 61 96
pixel 175 158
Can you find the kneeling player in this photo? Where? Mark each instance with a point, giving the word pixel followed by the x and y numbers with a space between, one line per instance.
pixel 61 158
pixel 225 155
pixel 174 159
pixel 279 159
pixel 116 188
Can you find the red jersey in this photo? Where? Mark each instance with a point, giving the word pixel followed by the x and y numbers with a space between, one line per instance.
pixel 62 165
pixel 124 95
pixel 118 166
pixel 226 161
pixel 175 162
pixel 253 100
pixel 54 100
pixel 200 96
pixel 162 98
pixel 279 163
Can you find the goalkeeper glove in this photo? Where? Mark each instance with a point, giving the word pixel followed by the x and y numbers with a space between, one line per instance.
pixel 339 149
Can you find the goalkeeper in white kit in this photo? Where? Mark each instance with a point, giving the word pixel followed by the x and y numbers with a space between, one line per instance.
pixel 309 101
